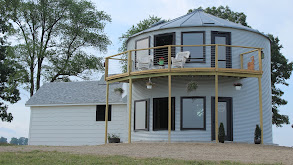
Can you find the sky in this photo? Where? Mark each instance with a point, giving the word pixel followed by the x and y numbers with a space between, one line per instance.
pixel 267 16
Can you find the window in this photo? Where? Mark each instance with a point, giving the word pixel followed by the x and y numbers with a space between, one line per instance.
pixel 141 114
pixel 160 113
pixel 141 44
pixel 193 113
pixel 100 113
pixel 197 53
pixel 161 40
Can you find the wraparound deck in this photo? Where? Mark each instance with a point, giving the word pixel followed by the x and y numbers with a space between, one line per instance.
pixel 211 68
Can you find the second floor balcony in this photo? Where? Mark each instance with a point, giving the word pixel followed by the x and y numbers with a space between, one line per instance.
pixel 223 60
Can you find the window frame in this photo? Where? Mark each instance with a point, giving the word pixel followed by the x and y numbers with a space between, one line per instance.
pixel 147 114
pixel 135 47
pixel 204 47
pixel 109 113
pixel 181 112
pixel 173 50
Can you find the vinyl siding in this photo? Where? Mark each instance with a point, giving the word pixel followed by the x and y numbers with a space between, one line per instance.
pixel 73 125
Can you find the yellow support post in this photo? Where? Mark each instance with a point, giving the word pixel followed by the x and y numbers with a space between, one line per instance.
pixel 106 113
pixel 106 68
pixel 129 107
pixel 260 108
pixel 216 57
pixel 169 58
pixel 129 63
pixel 241 60
pixel 259 60
pixel 169 108
pixel 216 108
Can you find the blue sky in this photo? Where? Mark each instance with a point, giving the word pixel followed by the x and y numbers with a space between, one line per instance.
pixel 268 16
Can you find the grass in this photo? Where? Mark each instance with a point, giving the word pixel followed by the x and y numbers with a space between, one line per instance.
pixel 58 158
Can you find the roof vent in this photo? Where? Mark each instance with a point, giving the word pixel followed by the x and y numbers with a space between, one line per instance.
pixel 208 23
pixel 158 23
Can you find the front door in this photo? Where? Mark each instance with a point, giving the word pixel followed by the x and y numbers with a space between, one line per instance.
pixel 225 116
pixel 160 114
pixel 224 53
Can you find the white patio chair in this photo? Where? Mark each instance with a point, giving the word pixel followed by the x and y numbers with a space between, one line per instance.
pixel 144 62
pixel 180 59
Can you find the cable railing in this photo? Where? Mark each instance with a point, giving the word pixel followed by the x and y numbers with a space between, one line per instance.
pixel 164 59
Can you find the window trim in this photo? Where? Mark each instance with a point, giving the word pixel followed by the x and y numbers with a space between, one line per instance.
pixel 181 112
pixel 135 47
pixel 173 50
pixel 204 47
pixel 109 113
pixel 173 110
pixel 147 114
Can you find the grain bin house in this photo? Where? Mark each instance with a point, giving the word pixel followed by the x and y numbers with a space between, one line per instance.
pixel 182 80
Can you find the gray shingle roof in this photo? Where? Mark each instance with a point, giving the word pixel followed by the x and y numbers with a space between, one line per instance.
pixel 84 92
pixel 198 18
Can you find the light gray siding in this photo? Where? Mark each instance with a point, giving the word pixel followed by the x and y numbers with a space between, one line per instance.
pixel 73 125
pixel 245 102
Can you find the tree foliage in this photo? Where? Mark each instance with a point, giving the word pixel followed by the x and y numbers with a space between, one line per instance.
pixel 9 72
pixel 53 36
pixel 281 69
pixel 14 141
pixel 142 25
pixel 3 140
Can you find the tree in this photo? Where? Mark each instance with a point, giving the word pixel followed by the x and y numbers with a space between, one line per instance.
pixel 54 35
pixel 21 141
pixel 14 141
pixel 26 141
pixel 280 67
pixel 3 140
pixel 9 72
pixel 142 25
pixel 281 71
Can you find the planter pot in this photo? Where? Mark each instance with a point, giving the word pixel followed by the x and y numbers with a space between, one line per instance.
pixel 257 141
pixel 221 140
pixel 149 86
pixel 161 62
pixel 118 93
pixel 114 140
pixel 238 88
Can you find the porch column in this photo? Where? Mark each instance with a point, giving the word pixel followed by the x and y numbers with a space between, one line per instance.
pixel 106 113
pixel 216 94
pixel 260 108
pixel 169 108
pixel 216 108
pixel 129 107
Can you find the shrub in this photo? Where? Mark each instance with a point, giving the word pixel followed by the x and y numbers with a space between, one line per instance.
pixel 257 133
pixel 221 135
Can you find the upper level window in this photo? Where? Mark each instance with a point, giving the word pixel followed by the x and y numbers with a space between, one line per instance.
pixel 193 113
pixel 141 44
pixel 100 113
pixel 197 53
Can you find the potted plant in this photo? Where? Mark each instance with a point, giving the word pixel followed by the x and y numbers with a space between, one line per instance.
pixel 238 86
pixel 191 86
pixel 221 135
pixel 118 90
pixel 149 84
pixel 161 61
pixel 257 135
pixel 113 138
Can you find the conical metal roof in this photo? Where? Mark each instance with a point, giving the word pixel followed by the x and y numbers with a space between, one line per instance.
pixel 198 18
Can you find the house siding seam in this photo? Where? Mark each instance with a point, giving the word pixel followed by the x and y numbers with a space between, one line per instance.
pixel 73 125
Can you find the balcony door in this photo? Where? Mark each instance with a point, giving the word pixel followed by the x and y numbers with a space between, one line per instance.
pixel 161 40
pixel 224 53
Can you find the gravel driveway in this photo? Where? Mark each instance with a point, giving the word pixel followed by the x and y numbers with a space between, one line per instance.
pixel 247 153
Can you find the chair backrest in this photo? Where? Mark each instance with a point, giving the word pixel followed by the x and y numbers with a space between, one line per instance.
pixel 182 55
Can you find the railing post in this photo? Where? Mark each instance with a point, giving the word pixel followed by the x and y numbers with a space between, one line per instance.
pixel 216 107
pixel 216 57
pixel 106 68
pixel 169 108
pixel 106 112
pixel 129 62
pixel 259 60
pixel 241 60
pixel 169 58
pixel 260 108
pixel 129 110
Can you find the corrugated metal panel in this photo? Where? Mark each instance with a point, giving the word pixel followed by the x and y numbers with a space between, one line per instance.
pixel 245 102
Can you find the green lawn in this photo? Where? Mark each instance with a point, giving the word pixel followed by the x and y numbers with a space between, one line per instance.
pixel 40 157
